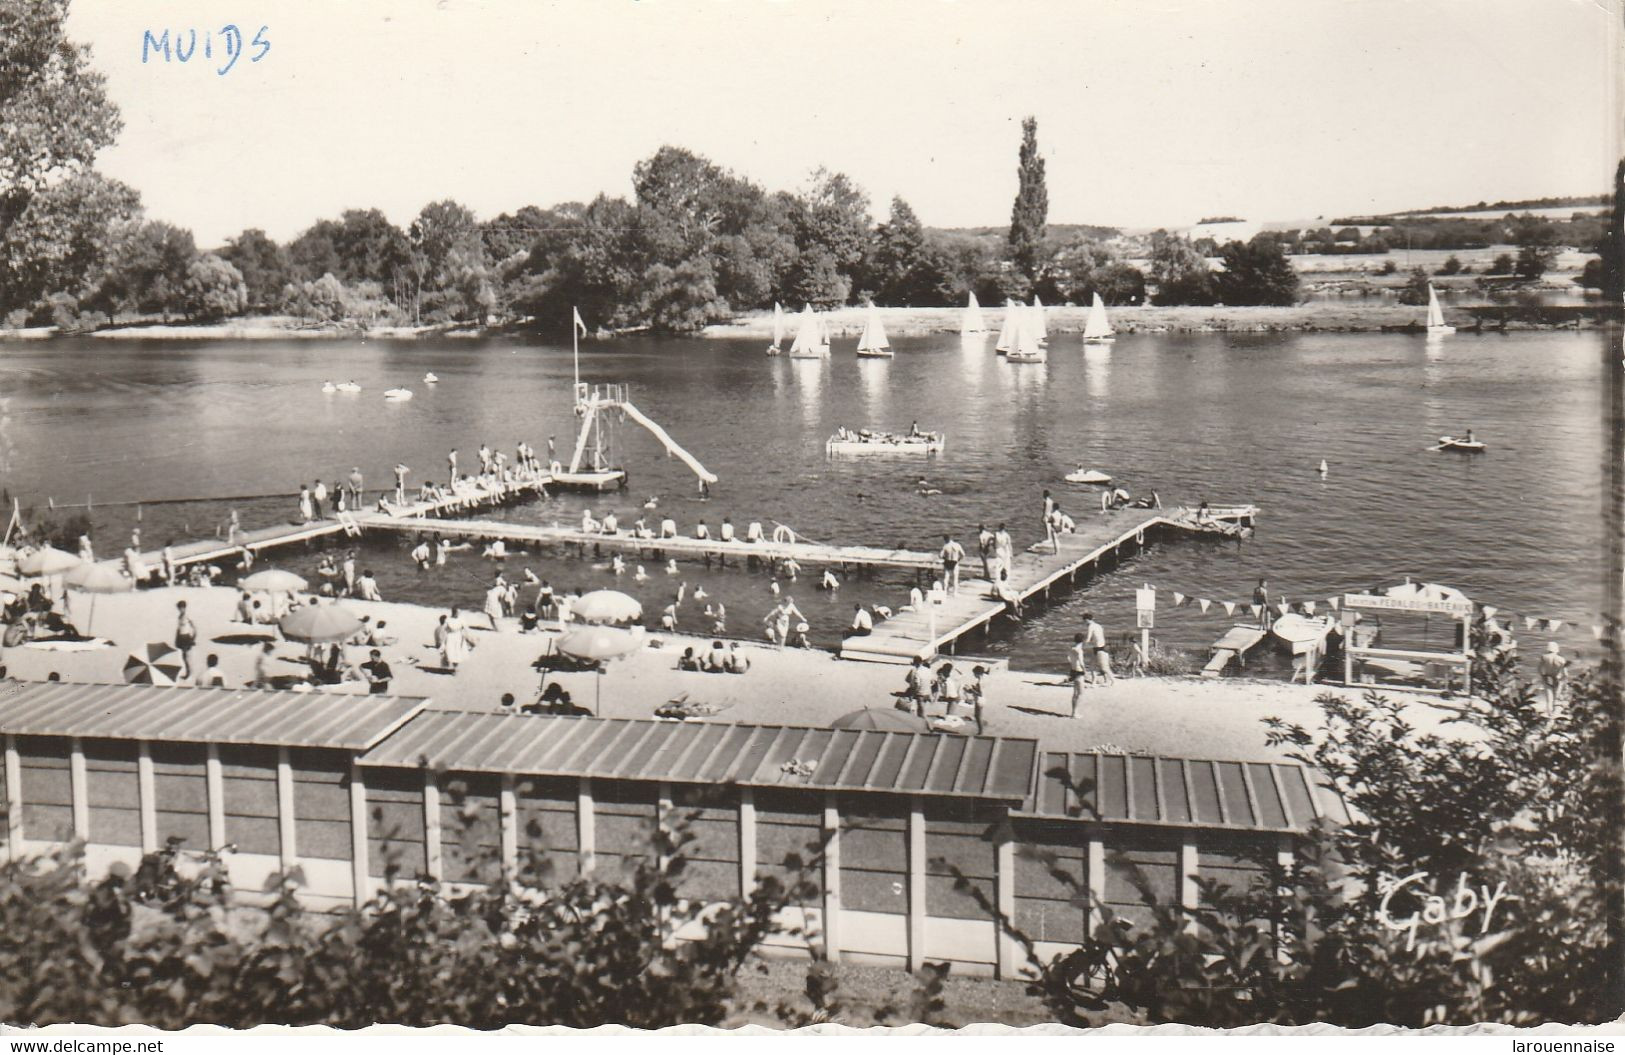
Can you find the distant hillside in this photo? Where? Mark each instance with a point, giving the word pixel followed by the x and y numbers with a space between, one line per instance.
pixel 1059 231
pixel 1511 206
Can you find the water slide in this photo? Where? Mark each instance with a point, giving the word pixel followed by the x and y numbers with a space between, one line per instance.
pixel 670 444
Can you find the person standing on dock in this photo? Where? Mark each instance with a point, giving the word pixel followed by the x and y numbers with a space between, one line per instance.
pixel 1004 548
pixel 984 546
pixel 1049 507
pixel 234 528
pixel 318 495
pixel 340 502
pixel 451 465
pixel 485 458
pixel 952 553
pixel 1095 636
pixel 307 512
pixel 1261 601
pixel 400 483
pixel 355 487
pixel 168 556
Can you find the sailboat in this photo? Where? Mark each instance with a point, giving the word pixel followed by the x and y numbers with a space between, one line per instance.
pixel 1025 347
pixel 1097 330
pixel 777 347
pixel 873 343
pixel 812 337
pixel 970 320
pixel 1436 323
pixel 1041 331
pixel 1007 330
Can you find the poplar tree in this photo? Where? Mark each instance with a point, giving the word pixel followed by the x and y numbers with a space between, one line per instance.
pixel 1031 210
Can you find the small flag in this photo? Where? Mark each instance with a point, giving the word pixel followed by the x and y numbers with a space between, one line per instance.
pixel 1489 611
pixel 1333 602
pixel 1530 622
pixel 1256 608
pixel 580 326
pixel 1229 607
pixel 1203 603
pixel 1554 625
pixel 1179 598
pixel 1596 631
pixel 1309 606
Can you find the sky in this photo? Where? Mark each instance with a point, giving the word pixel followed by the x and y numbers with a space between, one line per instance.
pixel 1150 112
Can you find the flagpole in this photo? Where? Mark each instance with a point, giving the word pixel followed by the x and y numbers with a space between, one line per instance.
pixel 575 343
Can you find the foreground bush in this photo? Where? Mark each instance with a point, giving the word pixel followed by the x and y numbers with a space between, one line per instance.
pixel 170 950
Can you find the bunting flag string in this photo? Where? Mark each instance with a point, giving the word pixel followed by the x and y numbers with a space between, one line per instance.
pixel 1334 604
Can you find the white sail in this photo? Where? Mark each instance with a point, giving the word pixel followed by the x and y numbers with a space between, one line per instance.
pixel 1026 348
pixel 970 320
pixel 778 325
pixel 1097 328
pixel 1040 331
pixel 809 336
pixel 873 341
pixel 1436 323
pixel 1007 330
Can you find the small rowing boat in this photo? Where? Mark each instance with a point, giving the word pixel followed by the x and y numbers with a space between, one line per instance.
pixel 1303 632
pixel 430 379
pixel 1450 443
pixel 398 395
pixel 868 441
pixel 1087 476
pixel 348 386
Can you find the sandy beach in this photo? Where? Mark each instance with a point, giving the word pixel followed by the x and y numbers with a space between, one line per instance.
pixel 1180 717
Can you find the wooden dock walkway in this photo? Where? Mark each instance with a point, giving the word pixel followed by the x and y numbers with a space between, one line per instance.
pixel 662 548
pixel 925 633
pixel 1234 645
pixel 258 539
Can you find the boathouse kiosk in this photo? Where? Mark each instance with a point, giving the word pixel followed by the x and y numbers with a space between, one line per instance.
pixel 1358 648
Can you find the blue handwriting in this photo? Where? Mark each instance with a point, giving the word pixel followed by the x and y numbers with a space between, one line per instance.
pixel 184 45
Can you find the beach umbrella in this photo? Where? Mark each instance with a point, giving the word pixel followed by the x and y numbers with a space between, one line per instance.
pixel 274 580
pixel 599 644
pixel 47 560
pixel 882 719
pixel 156 664
pixel 606 606
pixel 319 624
pixel 98 578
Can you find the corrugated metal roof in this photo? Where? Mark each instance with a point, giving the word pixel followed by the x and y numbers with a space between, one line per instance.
pixel 708 753
pixel 1270 796
pixel 193 715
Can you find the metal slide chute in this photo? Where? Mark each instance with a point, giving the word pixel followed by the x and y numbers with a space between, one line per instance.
pixel 670 444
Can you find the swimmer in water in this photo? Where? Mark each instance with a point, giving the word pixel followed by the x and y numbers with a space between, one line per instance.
pixel 924 487
pixel 617 565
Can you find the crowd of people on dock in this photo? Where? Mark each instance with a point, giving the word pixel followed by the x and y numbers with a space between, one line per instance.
pixel 499 477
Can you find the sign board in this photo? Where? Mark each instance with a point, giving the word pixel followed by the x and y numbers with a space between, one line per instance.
pixel 1145 618
pixel 1401 604
pixel 1145 599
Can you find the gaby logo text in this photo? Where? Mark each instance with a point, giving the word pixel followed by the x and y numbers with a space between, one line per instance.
pixel 1435 910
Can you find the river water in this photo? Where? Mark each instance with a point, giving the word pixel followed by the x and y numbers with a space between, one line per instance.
pixel 1230 418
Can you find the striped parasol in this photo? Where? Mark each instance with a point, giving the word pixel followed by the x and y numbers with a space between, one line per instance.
pixel 158 663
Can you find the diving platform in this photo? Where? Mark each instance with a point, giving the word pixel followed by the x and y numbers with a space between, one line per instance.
pixel 938 627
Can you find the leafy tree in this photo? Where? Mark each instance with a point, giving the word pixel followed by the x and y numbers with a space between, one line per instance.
pixel 1031 209
pixel 903 268
pixel 1533 262
pixel 54 117
pixel 1415 290
pixel 516 232
pixel 448 262
pixel 1501 265
pixel 147 270
pixel 1179 272
pixel 831 224
pixel 1510 802
pixel 1451 265
pixel 263 265
pixel 214 289
pixel 1256 272
pixel 60 241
